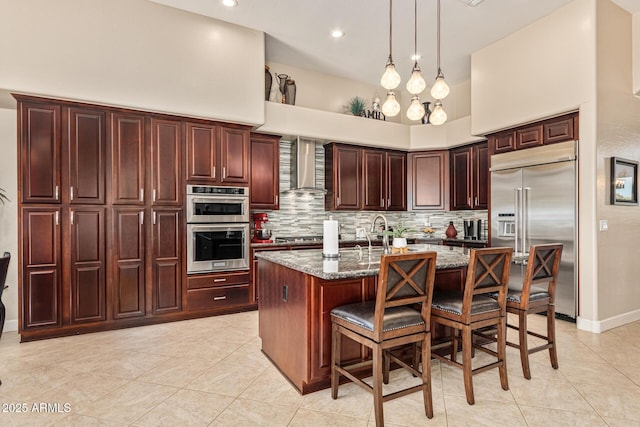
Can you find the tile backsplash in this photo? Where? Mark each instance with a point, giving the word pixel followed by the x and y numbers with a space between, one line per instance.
pixel 302 214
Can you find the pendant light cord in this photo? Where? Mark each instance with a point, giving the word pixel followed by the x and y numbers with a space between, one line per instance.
pixel 415 31
pixel 438 36
pixel 390 28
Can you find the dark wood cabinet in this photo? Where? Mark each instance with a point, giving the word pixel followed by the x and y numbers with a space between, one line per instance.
pixel 41 270
pixel 102 224
pixel 396 181
pixel 469 177
pixel 343 177
pixel 234 155
pixel 129 262
pixel 166 260
pixel 217 154
pixel 218 291
pixel 374 179
pixel 549 131
pixel 128 153
pixel 364 178
pixel 86 136
pixel 166 162
pixel 265 171
pixel 428 178
pixel 88 264
pixel 39 152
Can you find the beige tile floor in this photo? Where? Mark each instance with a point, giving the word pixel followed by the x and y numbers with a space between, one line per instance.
pixel 210 372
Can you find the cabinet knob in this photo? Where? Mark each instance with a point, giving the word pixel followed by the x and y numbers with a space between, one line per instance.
pixel 276 199
pixel 71 219
pixel 213 171
pixel 141 217
pixel 224 172
pixel 219 280
pixel 57 192
pixel 71 193
pixel 154 217
pixel 153 195
pixel 142 194
pixel 220 298
pixel 57 218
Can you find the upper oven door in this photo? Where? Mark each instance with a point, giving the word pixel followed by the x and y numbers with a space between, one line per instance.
pixel 217 247
pixel 217 209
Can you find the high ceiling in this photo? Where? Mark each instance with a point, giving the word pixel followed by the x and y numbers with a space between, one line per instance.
pixel 298 31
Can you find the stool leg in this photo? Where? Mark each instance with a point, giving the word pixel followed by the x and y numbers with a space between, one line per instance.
pixel 523 344
pixel 502 352
pixel 454 344
pixel 426 376
pixel 335 360
pixel 466 364
pixel 551 335
pixel 386 369
pixel 377 385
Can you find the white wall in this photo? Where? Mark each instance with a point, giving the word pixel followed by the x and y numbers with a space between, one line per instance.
pixel 618 136
pixel 544 69
pixel 133 53
pixel 9 212
pixel 636 53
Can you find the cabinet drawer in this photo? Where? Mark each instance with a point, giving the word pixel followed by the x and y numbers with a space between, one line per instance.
pixel 217 297
pixel 212 280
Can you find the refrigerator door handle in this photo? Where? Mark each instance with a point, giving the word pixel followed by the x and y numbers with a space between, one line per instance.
pixel 525 219
pixel 516 204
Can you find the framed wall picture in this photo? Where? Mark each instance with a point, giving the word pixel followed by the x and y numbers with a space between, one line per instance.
pixel 624 181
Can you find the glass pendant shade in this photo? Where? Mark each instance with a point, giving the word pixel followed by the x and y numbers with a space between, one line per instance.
pixel 391 106
pixel 438 115
pixel 390 79
pixel 416 83
pixel 440 88
pixel 416 109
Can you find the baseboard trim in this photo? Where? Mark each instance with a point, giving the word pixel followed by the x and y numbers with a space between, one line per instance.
pixel 598 326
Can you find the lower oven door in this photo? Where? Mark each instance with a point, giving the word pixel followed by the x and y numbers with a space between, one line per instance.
pixel 217 247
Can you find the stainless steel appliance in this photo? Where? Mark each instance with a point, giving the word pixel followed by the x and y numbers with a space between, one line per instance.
pixel 217 247
pixel 218 233
pixel 534 201
pixel 207 204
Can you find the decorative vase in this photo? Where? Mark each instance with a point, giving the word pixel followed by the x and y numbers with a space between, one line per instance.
pixel 290 92
pixel 282 82
pixel 451 231
pixel 427 113
pixel 268 81
pixel 399 242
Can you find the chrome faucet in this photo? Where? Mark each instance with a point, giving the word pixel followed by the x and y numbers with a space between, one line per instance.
pixel 366 234
pixel 385 237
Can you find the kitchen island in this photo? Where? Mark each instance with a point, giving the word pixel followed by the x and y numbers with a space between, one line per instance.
pixel 298 289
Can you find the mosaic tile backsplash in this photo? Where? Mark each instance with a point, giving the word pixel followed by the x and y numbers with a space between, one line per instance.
pixel 302 214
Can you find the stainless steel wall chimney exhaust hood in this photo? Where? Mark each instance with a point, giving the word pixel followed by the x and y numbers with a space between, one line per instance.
pixel 303 166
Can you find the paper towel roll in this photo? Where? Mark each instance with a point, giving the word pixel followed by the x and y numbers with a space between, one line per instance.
pixel 330 238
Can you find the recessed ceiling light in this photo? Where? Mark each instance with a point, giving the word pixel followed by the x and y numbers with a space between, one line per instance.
pixel 336 34
pixel 230 3
pixel 416 57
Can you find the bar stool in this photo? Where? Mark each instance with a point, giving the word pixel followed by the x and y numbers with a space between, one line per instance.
pixel 398 316
pixel 473 309
pixel 543 265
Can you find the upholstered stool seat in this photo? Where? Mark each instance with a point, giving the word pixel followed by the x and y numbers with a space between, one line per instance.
pixel 362 314
pixel 451 302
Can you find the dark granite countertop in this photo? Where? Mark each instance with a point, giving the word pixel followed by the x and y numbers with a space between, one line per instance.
pixel 349 265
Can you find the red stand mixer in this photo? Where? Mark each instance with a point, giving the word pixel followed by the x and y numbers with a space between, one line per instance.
pixel 260 235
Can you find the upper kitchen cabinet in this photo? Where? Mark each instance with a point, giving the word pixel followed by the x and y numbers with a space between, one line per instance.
pixel 265 171
pixel 428 178
pixel 128 166
pixel 39 152
pixel 550 131
pixel 62 153
pixel 384 180
pixel 469 177
pixel 166 162
pixel 343 177
pixel 364 178
pixel 217 154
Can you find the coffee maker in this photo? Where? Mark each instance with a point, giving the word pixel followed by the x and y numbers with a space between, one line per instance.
pixel 473 229
pixel 260 235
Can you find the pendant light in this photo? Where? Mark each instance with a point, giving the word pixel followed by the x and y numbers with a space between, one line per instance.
pixel 390 79
pixel 438 115
pixel 416 83
pixel 391 106
pixel 440 89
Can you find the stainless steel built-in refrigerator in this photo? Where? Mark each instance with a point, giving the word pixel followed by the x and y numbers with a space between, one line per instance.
pixel 534 201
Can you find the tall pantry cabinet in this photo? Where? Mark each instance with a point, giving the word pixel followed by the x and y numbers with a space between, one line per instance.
pixel 100 194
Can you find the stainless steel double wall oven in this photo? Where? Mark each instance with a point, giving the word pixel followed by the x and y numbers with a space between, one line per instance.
pixel 217 228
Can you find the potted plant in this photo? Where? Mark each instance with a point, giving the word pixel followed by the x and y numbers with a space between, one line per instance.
pixel 357 106
pixel 399 235
pixel 3 196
